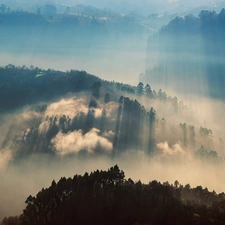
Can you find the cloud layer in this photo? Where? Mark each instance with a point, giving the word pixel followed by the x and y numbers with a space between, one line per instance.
pixel 176 152
pixel 74 142
pixel 69 107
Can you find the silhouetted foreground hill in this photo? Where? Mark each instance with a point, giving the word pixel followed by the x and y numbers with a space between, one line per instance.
pixel 106 197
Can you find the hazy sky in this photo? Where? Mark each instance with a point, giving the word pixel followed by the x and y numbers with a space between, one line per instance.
pixel 151 6
pixel 141 6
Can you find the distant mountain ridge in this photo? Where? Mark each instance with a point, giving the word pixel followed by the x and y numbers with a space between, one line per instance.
pixel 192 49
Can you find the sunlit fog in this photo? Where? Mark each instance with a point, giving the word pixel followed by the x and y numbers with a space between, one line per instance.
pixel 90 85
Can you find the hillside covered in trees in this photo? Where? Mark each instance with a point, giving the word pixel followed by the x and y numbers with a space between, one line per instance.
pixel 106 197
pixel 79 23
pixel 60 109
pixel 192 48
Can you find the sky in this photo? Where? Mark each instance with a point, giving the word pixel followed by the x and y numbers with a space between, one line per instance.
pixel 141 6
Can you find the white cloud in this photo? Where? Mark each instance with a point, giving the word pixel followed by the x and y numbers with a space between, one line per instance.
pixel 108 133
pixel 69 107
pixel 176 152
pixel 44 126
pixel 75 142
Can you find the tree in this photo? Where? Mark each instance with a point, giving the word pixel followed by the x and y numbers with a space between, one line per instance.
pixel 93 103
pixel 148 91
pixel 107 98
pixel 205 14
pixel 116 175
pixel 152 119
pixel 183 128
pixel 118 123
pixel 191 130
pixel 140 88
pixel 176 184
pixel 221 16
pixel 11 221
pixel 3 8
pixel 89 123
pixel 160 94
pixel 152 115
pixel 174 103
pixel 67 10
pixel 38 11
pixel 96 87
pixel 50 10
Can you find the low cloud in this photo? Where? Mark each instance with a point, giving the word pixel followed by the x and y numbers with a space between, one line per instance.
pixel 44 126
pixel 108 134
pixel 74 142
pixel 176 152
pixel 69 107
pixel 27 115
pixel 72 107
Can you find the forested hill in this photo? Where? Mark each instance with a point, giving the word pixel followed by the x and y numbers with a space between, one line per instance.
pixel 24 85
pixel 106 197
pixel 81 15
pixel 79 21
pixel 190 52
pixel 56 118
pixel 55 107
pixel 209 25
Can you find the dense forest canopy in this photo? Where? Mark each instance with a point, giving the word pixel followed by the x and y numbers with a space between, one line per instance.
pixel 118 122
pixel 106 197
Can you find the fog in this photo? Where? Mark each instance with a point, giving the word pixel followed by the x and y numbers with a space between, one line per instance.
pixel 183 139
pixel 110 65
pixel 187 56
pixel 110 58
pixel 31 175
pixel 76 153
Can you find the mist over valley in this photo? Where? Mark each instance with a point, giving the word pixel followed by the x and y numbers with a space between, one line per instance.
pixel 132 101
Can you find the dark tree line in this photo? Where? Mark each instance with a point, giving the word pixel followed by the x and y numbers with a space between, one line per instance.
pixel 22 86
pixel 209 23
pixel 131 118
pixel 142 90
pixel 106 197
